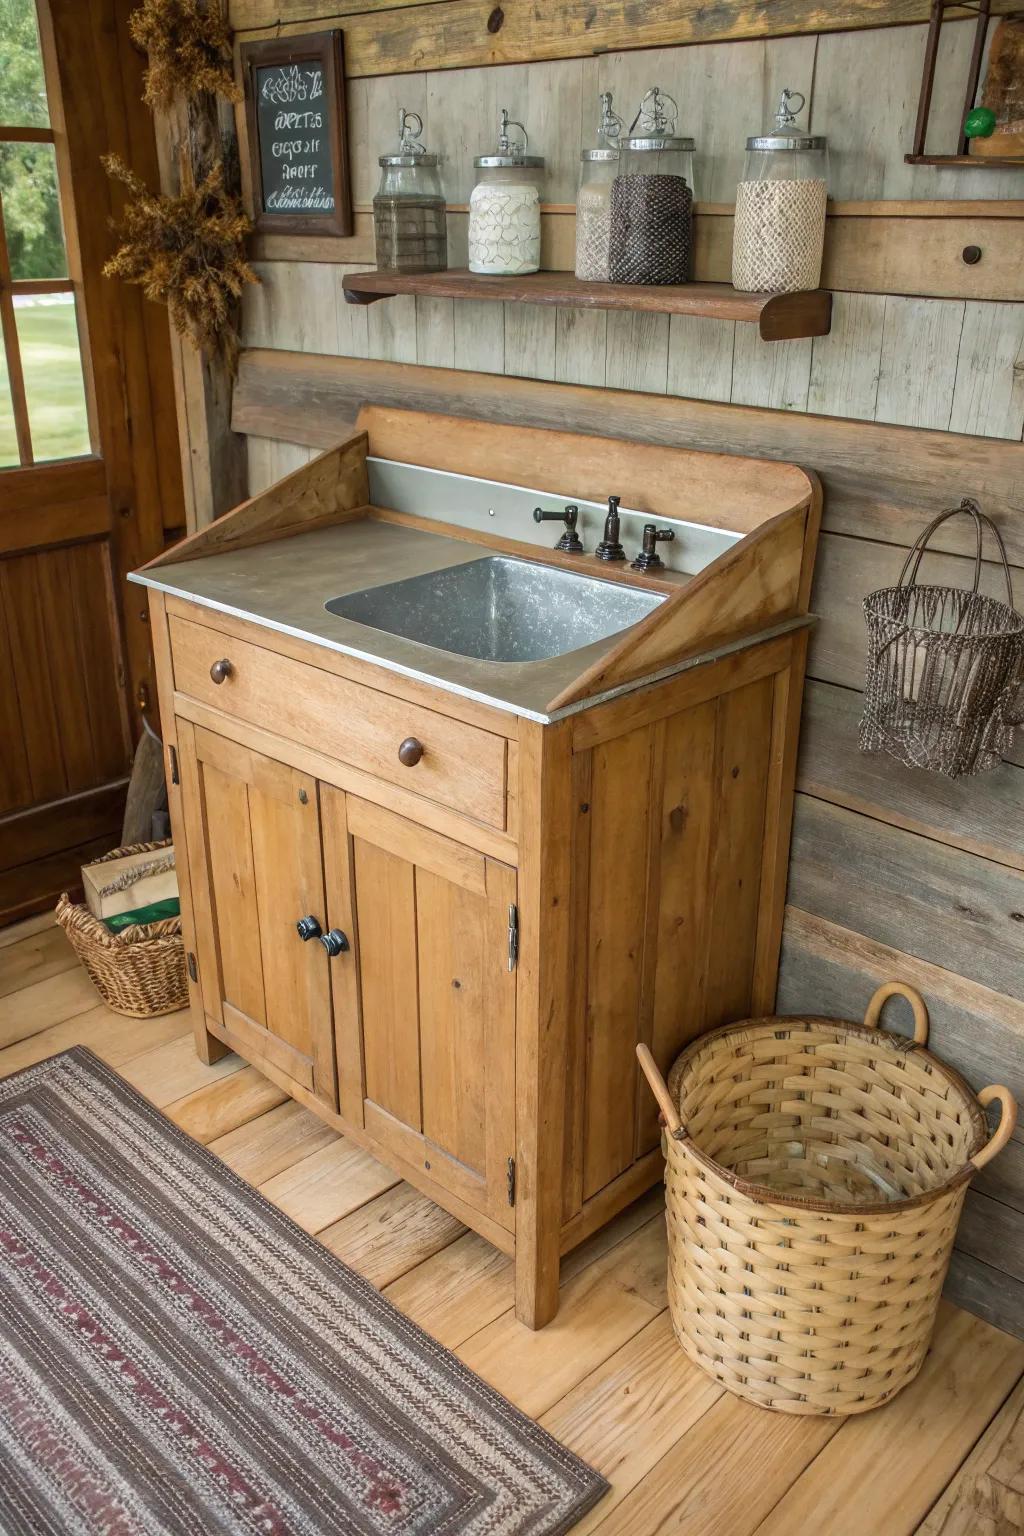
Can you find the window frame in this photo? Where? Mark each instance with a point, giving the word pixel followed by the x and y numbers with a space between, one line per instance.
pixel 11 287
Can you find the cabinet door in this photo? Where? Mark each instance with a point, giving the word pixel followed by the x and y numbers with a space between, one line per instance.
pixel 426 1023
pixel 253 832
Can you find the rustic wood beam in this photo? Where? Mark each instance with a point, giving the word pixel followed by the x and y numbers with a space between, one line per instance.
pixel 192 136
pixel 390 37
pixel 881 482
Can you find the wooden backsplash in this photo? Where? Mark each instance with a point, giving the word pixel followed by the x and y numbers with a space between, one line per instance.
pixel 894 872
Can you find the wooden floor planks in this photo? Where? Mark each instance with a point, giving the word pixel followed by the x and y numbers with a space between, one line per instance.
pixel 945 1458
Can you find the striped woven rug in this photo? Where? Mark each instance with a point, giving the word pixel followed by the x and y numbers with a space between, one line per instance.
pixel 177 1356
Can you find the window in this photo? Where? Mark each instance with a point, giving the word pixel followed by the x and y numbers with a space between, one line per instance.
pixel 43 409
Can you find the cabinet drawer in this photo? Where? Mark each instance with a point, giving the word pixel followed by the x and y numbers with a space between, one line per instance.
pixel 461 766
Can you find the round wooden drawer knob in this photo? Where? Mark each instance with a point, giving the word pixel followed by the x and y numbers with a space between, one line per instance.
pixel 410 752
pixel 221 670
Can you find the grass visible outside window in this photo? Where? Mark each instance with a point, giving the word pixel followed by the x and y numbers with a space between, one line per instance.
pixel 43 411
pixel 48 333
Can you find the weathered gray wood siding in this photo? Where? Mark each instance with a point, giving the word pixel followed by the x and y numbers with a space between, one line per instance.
pixel 894 873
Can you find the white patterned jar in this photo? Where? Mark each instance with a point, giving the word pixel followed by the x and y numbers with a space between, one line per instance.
pixel 594 214
pixel 504 208
pixel 779 231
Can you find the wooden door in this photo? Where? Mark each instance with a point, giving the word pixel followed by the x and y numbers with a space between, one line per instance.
pixel 425 1018
pixel 252 826
pixel 90 479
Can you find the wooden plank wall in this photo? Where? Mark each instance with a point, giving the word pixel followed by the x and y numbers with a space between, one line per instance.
pixel 893 872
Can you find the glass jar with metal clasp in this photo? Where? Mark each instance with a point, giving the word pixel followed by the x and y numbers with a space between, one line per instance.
pixel 779 230
pixel 409 220
pixel 598 168
pixel 652 198
pixel 504 206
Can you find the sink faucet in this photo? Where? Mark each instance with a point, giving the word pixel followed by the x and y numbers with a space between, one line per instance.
pixel 609 547
pixel 648 559
pixel 569 543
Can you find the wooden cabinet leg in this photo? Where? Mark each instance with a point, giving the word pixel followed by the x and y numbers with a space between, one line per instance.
pixel 537 1282
pixel 208 1047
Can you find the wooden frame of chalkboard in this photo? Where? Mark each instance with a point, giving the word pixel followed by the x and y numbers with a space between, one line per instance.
pixel 291 141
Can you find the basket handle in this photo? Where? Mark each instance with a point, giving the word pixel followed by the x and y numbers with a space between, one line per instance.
pixel 970 507
pixel 1007 1121
pixel 659 1087
pixel 888 989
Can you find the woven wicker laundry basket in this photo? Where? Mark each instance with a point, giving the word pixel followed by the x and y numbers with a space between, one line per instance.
pixel 140 971
pixel 815 1174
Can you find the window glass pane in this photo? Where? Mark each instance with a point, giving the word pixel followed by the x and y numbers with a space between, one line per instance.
pixel 8 440
pixel 28 186
pixel 51 361
pixel 22 88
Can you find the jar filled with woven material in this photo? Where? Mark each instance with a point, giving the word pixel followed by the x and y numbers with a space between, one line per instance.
pixel 652 199
pixel 594 198
pixel 504 206
pixel 409 221
pixel 779 231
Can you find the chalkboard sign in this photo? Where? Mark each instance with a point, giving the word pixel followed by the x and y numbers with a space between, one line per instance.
pixel 295 110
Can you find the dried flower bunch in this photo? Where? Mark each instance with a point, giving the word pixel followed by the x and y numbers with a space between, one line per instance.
pixel 186 252
pixel 189 49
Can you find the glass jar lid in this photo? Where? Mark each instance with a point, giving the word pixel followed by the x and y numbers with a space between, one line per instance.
pixel 687 146
pixel 787 136
pixel 656 121
pixel 410 151
pixel 511 151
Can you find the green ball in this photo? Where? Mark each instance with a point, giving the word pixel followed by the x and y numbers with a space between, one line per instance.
pixel 980 123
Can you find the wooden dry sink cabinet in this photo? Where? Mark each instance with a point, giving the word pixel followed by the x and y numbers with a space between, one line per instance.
pixel 531 897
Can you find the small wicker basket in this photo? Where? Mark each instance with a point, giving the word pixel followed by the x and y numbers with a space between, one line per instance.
pixel 815 1175
pixel 945 670
pixel 139 971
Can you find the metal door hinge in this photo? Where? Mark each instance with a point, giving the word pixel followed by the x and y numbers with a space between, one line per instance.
pixel 513 937
pixel 510 1180
pixel 175 779
pixel 193 969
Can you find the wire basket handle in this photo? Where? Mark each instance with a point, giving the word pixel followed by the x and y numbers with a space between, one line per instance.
pixel 659 1088
pixel 969 506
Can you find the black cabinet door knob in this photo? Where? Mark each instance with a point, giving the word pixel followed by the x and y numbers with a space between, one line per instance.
pixel 221 670
pixel 335 942
pixel 308 928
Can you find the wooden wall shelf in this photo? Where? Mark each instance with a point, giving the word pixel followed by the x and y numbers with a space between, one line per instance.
pixel 989 162
pixel 779 317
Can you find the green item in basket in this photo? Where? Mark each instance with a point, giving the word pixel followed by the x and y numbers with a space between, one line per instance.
pixel 156 912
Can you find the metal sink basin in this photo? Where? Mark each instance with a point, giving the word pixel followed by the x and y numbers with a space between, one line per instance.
pixel 499 609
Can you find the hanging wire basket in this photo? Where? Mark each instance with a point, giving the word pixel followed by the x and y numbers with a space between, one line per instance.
pixel 945 673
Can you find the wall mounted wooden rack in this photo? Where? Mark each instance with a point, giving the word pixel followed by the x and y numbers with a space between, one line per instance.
pixel 779 317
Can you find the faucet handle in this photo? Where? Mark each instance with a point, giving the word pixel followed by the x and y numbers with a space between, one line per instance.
pixel 570 542
pixel 648 559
